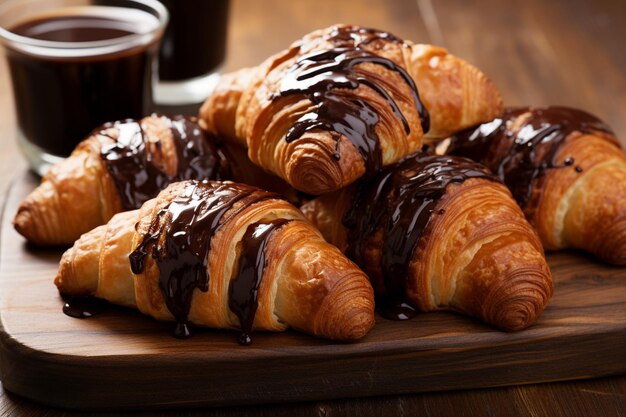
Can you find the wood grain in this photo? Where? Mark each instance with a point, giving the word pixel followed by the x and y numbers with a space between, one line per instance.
pixel 110 360
pixel 600 397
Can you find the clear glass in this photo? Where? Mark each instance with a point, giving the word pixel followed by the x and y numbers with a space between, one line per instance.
pixel 64 89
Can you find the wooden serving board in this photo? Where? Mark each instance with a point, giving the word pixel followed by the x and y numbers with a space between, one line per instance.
pixel 123 360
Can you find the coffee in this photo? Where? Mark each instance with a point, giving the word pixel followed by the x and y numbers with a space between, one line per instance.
pixel 78 78
pixel 194 42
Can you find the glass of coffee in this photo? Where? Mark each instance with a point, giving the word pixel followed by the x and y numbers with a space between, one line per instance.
pixel 192 51
pixel 76 64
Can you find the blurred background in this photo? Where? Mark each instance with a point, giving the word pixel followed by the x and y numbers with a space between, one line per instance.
pixel 567 52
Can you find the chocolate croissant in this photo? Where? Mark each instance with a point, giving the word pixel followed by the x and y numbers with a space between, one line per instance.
pixel 222 255
pixel 566 170
pixel 436 232
pixel 344 102
pixel 118 167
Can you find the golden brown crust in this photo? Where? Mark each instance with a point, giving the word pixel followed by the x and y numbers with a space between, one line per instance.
pixel 456 94
pixel 584 210
pixel 309 164
pixel 569 176
pixel 480 257
pixel 74 197
pixel 307 283
pixel 492 257
pixel 79 194
pixel 217 114
pixel 326 213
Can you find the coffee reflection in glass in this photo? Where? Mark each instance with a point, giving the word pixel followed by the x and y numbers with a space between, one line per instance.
pixel 192 51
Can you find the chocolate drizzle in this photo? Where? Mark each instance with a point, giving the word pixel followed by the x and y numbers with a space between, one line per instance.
pixel 325 75
pixel 399 202
pixel 200 156
pixel 179 240
pixel 521 156
pixel 243 289
pixel 130 160
pixel 82 307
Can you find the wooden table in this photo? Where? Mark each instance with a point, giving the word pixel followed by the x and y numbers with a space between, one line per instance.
pixel 568 52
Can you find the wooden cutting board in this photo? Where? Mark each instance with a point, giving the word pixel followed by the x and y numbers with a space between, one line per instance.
pixel 123 360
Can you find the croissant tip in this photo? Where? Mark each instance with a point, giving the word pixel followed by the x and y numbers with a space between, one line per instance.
pixel 306 176
pixel 518 302
pixel 518 316
pixel 21 218
pixel 23 221
pixel 612 247
pixel 347 313
pixel 356 323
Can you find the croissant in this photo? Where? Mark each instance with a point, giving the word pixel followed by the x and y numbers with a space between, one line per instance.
pixel 565 168
pixel 435 232
pixel 344 102
pixel 118 167
pixel 222 255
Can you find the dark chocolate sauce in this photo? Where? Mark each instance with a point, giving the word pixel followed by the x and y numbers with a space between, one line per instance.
pixel 59 99
pixel 200 155
pixel 243 289
pixel 179 240
pixel 324 75
pixel 395 309
pixel 529 151
pixel 129 160
pixel 400 201
pixel 82 307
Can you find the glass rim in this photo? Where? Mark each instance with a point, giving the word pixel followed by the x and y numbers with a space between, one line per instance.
pixel 83 49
